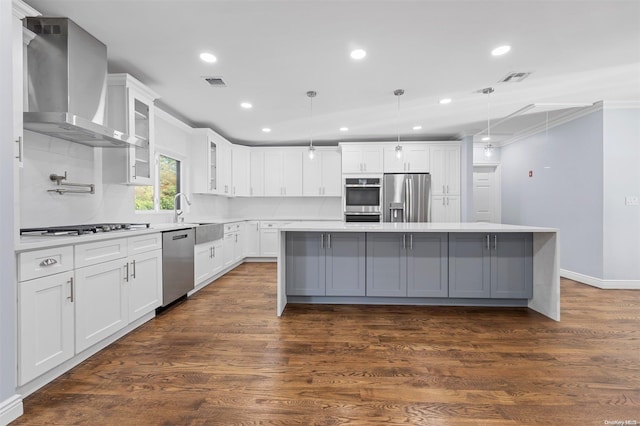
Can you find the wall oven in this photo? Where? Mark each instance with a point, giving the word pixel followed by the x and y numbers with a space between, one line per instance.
pixel 362 199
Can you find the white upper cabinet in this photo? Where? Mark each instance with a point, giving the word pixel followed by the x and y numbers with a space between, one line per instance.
pixel 240 167
pixel 130 110
pixel 283 172
pixel 361 158
pixel 210 157
pixel 256 161
pixel 445 169
pixel 224 167
pixel 321 176
pixel 410 158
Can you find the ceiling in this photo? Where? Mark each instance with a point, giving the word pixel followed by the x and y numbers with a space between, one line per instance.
pixel 271 53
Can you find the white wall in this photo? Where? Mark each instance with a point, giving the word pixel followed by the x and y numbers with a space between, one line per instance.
pixel 621 179
pixel 565 192
pixel 307 208
pixel 466 179
pixel 7 257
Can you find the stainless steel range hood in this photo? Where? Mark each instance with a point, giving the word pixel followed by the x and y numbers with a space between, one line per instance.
pixel 67 84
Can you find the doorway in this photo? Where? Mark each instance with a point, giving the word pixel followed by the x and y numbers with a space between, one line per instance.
pixel 486 193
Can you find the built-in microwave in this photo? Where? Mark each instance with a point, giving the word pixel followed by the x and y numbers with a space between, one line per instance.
pixel 362 199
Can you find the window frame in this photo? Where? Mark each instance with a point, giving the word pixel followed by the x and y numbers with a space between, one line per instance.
pixel 156 181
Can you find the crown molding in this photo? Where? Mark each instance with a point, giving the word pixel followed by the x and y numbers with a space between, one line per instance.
pixel 557 121
pixel 21 10
pixel 621 104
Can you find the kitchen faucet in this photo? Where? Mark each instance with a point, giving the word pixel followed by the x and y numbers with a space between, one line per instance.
pixel 177 212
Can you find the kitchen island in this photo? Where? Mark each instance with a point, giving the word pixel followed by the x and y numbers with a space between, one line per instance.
pixel 454 264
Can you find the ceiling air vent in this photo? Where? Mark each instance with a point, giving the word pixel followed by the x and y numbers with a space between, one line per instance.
pixel 514 77
pixel 215 81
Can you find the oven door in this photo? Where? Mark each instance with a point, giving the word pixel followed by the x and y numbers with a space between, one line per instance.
pixel 362 198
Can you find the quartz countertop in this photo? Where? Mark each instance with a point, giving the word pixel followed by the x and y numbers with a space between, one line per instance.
pixel 339 226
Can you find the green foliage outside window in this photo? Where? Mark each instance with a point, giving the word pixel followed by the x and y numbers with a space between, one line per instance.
pixel 168 184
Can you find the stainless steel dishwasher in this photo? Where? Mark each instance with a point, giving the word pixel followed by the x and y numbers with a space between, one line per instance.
pixel 177 264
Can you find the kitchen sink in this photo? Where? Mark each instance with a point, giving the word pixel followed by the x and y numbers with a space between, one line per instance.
pixel 206 232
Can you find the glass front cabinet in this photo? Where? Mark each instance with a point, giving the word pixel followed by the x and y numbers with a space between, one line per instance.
pixel 210 163
pixel 130 110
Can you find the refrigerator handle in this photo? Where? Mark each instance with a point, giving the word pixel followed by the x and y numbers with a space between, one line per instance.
pixel 407 199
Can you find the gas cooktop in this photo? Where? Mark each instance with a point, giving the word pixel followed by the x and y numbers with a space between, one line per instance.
pixel 55 231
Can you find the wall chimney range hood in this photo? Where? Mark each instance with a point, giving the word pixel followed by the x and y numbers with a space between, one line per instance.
pixel 67 85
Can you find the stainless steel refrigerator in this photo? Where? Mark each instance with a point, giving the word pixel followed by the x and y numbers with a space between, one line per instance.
pixel 405 197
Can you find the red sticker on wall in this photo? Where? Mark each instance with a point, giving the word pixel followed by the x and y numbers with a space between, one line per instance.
pixel 530 173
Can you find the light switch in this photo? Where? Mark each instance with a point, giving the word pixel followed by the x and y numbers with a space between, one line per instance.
pixel 631 200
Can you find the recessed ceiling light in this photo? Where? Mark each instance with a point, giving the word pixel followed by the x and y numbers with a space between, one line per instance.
pixel 208 57
pixel 344 129
pixel 501 50
pixel 358 54
pixel 445 101
pixel 246 105
pixel 266 129
pixel 486 138
pixel 417 127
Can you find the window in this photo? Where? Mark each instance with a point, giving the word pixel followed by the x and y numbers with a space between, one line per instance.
pixel 167 184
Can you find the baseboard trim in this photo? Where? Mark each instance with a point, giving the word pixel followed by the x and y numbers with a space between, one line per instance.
pixel 600 283
pixel 10 409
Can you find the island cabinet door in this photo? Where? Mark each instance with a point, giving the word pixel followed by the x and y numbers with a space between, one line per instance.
pixel 386 264
pixel 512 266
pixel 469 265
pixel 305 264
pixel 345 263
pixel 427 265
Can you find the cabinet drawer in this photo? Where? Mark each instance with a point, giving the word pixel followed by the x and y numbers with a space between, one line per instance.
pixel 232 227
pixel 100 251
pixel 274 224
pixel 40 263
pixel 144 243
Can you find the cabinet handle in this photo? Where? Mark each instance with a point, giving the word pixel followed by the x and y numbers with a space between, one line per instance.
pixel 328 241
pixel 322 241
pixel 404 241
pixel 447 189
pixel 236 238
pixel 134 171
pixel 488 242
pixel 71 291
pixel 495 241
pixel 447 200
pixel 443 201
pixel 411 241
pixel 257 226
pixel 133 275
pixel 213 250
pixel 48 261
pixel 19 142
pixel 126 274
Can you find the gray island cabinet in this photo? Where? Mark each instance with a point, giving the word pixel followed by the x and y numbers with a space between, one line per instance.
pixel 464 264
pixel 497 266
pixel 407 265
pixel 325 264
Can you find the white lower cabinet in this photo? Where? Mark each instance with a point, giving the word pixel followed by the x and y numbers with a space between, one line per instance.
pixel 46 327
pixel 208 260
pixel 64 311
pixel 232 248
pixel 101 302
pixel 251 234
pixel 145 283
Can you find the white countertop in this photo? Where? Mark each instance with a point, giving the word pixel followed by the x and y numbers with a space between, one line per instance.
pixel 33 243
pixel 339 226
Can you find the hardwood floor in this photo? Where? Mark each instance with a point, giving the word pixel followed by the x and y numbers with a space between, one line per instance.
pixel 223 357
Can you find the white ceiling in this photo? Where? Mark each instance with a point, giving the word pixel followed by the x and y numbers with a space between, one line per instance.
pixel 272 52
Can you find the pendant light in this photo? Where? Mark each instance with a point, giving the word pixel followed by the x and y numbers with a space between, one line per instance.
pixel 398 93
pixel 488 148
pixel 312 150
